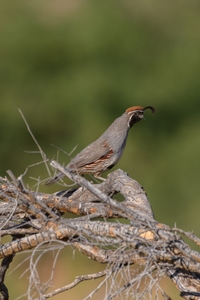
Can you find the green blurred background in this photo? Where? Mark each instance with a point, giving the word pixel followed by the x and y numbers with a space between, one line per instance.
pixel 73 66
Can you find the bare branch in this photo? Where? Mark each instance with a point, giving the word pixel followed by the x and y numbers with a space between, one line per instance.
pixel 36 142
pixel 37 220
pixel 77 280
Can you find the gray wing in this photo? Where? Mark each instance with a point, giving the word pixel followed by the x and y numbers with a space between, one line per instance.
pixel 90 154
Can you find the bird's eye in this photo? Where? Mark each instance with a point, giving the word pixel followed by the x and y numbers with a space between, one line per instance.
pixel 140 113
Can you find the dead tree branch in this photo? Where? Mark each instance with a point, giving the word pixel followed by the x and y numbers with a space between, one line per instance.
pixel 33 219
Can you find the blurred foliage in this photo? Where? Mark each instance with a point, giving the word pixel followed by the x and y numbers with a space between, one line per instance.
pixel 72 67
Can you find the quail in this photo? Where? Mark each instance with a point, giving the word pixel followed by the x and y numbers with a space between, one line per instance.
pixel 105 152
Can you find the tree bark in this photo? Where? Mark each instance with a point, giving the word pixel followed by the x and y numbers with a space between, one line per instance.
pixel 33 218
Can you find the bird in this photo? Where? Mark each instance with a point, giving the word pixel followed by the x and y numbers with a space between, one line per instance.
pixel 105 152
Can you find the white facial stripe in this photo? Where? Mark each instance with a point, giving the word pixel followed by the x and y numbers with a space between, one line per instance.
pixel 133 111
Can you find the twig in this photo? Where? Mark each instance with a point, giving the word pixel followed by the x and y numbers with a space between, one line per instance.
pixel 36 142
pixel 77 280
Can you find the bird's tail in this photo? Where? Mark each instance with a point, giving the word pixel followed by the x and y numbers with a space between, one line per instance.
pixel 51 181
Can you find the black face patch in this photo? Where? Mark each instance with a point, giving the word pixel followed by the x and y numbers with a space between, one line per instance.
pixel 136 117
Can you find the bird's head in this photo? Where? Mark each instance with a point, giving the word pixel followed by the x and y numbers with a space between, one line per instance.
pixel 136 113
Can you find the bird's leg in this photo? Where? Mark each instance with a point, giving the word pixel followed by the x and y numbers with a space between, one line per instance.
pixel 99 177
